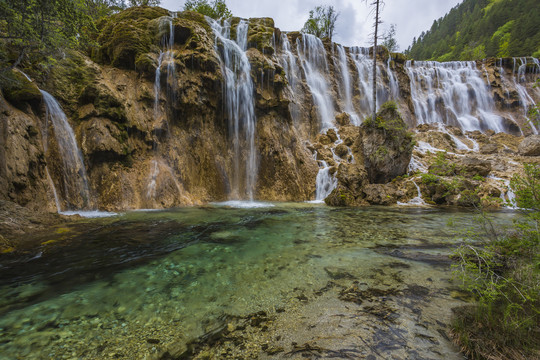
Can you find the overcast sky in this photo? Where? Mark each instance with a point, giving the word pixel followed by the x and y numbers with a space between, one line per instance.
pixel 354 23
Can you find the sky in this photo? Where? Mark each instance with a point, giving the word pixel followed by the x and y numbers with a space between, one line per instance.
pixel 354 24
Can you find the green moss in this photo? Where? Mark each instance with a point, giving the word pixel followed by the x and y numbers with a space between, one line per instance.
pixel 17 89
pixel 124 36
pixel 261 35
pixel 69 77
pixel 399 57
pixel 429 179
pixel 145 63
pixel 105 103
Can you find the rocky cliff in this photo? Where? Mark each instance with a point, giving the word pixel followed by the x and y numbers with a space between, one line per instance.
pixel 159 124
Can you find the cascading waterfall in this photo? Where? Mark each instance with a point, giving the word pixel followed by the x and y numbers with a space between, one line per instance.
pixel 452 93
pixel 325 182
pixel 364 67
pixel 240 104
pixel 524 98
pixel 312 55
pixel 345 89
pixel 75 180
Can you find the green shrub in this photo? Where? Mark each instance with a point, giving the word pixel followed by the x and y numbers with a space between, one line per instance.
pixel 502 271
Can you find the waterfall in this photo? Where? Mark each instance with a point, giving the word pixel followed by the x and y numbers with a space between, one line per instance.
pixel 239 103
pixel 392 80
pixel 524 98
pixel 312 55
pixel 167 57
pixel 287 60
pixel 76 190
pixel 452 93
pixel 345 90
pixel 325 182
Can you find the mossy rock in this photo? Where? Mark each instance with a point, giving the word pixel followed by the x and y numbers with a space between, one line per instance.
pixel 69 77
pixel 146 63
pixel 196 17
pixel 124 36
pixel 105 103
pixel 261 35
pixel 398 57
pixel 17 89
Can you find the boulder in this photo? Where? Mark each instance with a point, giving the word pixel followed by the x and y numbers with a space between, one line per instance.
pixel 530 146
pixel 343 119
pixel 386 144
pixel 341 150
pixel 471 166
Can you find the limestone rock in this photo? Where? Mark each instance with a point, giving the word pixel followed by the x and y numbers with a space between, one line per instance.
pixel 472 166
pixel 530 146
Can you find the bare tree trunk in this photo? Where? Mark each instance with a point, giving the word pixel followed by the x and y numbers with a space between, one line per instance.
pixel 376 3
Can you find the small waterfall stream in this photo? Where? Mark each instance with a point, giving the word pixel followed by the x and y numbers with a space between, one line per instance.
pixel 240 105
pixel 75 181
pixel 287 60
pixel 167 57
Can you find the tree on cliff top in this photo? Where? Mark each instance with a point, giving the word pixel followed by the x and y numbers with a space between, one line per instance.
pixel 216 10
pixel 144 2
pixel 389 39
pixel 321 22
pixel 376 9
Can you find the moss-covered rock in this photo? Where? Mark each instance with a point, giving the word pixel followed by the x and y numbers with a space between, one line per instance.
pixel 126 35
pixel 17 89
pixel 387 145
pixel 104 103
pixel 69 77
pixel 261 35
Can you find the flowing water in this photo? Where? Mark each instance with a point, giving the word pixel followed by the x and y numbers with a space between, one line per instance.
pixel 452 93
pixel 312 56
pixel 240 105
pixel 345 90
pixel 116 287
pixel 74 179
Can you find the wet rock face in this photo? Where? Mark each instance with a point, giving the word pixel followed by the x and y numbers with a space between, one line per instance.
pixel 387 145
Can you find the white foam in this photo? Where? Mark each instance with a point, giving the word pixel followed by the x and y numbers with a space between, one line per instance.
pixel 90 213
pixel 243 204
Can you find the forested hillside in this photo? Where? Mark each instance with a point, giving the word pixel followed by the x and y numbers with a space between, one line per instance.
pixel 476 29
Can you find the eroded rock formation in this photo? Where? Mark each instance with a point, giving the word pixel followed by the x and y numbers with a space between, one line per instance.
pixel 150 146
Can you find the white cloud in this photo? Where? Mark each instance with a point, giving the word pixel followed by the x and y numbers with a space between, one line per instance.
pixel 354 23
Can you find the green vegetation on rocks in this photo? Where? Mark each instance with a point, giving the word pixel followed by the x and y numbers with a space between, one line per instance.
pixel 124 36
pixel 501 269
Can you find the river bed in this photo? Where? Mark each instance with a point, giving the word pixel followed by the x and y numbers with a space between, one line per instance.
pixel 282 280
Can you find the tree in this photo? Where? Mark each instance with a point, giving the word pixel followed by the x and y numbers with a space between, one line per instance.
pixel 376 4
pixel 42 27
pixel 321 22
pixel 389 39
pixel 144 2
pixel 216 10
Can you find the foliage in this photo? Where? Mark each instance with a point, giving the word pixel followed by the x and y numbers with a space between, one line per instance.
pixel 441 166
pixel 216 10
pixel 476 29
pixel 428 179
pixel 34 32
pixel 321 22
pixel 502 271
pixel 144 2
pixel 389 39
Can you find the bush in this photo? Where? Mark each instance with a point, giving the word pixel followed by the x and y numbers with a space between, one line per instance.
pixel 502 272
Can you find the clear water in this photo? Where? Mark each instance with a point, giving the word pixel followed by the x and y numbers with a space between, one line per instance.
pixel 110 284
